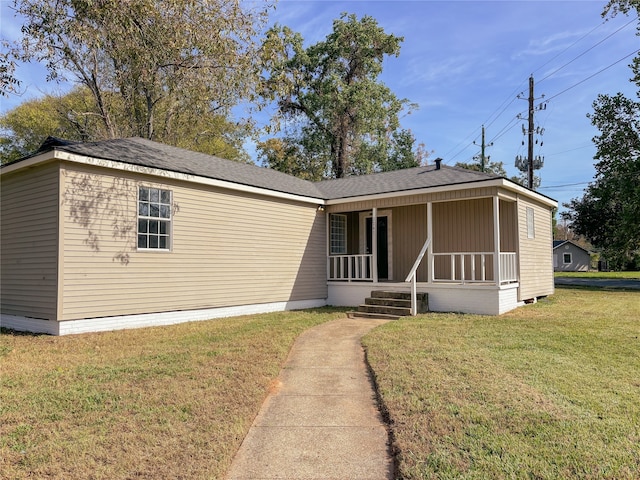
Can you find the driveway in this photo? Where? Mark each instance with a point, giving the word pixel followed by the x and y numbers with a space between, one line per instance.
pixel 612 283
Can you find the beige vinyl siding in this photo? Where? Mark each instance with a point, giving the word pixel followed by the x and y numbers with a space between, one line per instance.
pixel 535 254
pixel 409 234
pixel 29 239
pixel 227 248
pixel 465 226
pixel 508 226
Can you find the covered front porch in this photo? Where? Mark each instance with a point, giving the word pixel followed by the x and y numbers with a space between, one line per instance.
pixel 462 252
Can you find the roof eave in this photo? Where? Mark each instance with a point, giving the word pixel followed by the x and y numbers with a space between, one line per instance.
pixel 59 154
pixel 492 182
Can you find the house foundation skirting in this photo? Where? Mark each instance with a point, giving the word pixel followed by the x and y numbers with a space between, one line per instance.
pixel 469 298
pixel 102 324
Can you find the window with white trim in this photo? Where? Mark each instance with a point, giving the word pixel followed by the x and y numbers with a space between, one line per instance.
pixel 531 230
pixel 154 218
pixel 566 258
pixel 338 234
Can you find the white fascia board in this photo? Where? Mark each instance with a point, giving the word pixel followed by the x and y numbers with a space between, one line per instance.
pixel 30 162
pixel 158 172
pixel 498 182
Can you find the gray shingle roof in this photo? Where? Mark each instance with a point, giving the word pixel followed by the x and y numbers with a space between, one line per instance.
pixel 146 153
pixel 400 181
pixel 137 151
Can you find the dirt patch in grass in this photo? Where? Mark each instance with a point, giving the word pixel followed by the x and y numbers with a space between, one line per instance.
pixel 548 391
pixel 169 402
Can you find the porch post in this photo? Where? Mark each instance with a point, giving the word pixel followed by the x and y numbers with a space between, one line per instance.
pixel 374 243
pixel 430 249
pixel 496 239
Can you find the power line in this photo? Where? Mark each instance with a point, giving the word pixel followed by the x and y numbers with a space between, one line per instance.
pixel 588 50
pixel 591 76
pixel 570 46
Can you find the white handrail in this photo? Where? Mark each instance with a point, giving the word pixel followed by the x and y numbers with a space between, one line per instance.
pixel 412 277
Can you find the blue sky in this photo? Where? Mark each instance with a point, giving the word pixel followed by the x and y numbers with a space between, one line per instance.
pixel 464 63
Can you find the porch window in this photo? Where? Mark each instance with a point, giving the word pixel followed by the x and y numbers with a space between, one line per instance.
pixel 154 218
pixel 531 231
pixel 338 234
pixel 566 258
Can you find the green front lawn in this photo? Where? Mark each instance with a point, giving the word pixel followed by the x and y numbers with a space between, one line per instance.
pixel 620 275
pixel 548 391
pixel 168 402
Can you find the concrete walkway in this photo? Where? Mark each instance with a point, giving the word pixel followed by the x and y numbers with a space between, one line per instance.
pixel 321 420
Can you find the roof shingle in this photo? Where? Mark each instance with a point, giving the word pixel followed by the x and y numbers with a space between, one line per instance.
pixel 146 153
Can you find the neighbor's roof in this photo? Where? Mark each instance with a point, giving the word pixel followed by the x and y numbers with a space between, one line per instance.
pixel 146 153
pixel 559 243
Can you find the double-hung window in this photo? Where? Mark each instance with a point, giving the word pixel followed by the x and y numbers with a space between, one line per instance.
pixel 154 218
pixel 338 240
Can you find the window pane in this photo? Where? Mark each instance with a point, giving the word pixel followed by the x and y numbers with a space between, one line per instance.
pixel 165 211
pixel 154 217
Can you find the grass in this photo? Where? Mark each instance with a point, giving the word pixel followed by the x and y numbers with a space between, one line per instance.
pixel 548 391
pixel 170 402
pixel 615 275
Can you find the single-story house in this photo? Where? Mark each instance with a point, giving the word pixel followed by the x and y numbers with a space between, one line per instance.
pixel 128 233
pixel 568 256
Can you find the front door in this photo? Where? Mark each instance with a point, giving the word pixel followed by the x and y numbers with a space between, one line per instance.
pixel 383 245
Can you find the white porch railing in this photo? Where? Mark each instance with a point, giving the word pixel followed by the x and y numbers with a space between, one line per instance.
pixel 350 267
pixel 458 267
pixel 473 267
pixel 508 267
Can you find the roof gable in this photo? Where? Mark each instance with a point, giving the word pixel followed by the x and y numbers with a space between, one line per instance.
pixel 558 243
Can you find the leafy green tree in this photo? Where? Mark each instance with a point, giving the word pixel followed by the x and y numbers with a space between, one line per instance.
pixel 71 117
pixel 329 98
pixel 609 212
pixel 493 168
pixel 287 156
pixel 26 126
pixel 8 81
pixel 150 65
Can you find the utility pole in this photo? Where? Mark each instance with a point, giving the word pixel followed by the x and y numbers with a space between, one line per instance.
pixel 531 127
pixel 483 158
pixel 529 164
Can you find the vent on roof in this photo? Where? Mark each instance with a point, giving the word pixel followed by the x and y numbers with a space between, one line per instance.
pixel 438 160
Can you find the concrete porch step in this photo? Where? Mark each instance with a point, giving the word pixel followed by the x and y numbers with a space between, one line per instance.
pixel 392 302
pixel 391 294
pixel 385 309
pixel 381 316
